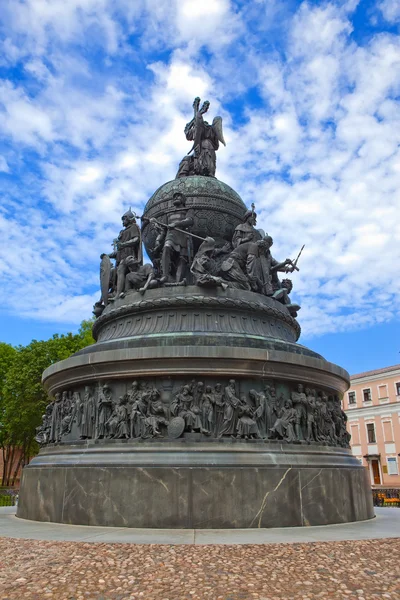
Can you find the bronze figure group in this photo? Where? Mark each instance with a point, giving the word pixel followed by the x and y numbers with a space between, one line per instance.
pixel 245 263
pixel 213 410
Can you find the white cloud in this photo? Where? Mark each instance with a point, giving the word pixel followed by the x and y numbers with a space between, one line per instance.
pixel 390 10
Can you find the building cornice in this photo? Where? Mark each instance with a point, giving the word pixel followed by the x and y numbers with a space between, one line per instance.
pixel 376 377
pixel 367 412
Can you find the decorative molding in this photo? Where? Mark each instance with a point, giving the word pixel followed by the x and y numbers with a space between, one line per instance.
pixel 371 412
pixel 199 301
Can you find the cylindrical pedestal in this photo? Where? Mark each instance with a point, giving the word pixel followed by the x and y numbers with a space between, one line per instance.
pixel 262 442
pixel 189 484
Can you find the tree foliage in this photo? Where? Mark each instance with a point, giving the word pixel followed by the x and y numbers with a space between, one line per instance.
pixel 22 395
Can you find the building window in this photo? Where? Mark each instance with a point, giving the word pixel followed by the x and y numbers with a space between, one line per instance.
pixel 371 433
pixel 367 395
pixel 352 398
pixel 392 466
pixel 397 388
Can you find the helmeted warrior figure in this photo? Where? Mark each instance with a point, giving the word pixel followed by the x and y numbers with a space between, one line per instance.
pixel 175 254
pixel 128 244
pixel 246 232
pixel 205 139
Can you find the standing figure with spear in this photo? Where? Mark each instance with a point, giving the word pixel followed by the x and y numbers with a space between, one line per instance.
pixel 177 251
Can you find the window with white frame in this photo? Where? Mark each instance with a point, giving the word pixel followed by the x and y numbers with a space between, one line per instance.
pixel 397 388
pixel 392 466
pixel 352 398
pixel 367 395
pixel 371 433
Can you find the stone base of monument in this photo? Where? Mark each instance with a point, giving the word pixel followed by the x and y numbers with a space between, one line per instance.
pixel 185 414
pixel 188 484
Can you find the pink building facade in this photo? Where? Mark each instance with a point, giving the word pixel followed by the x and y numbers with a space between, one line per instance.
pixel 372 405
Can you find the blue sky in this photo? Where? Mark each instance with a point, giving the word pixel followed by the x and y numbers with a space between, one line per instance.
pixel 94 96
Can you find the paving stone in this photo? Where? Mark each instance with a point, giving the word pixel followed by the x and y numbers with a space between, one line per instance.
pixel 36 570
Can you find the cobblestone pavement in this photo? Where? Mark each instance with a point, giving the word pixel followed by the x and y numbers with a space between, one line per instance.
pixel 79 571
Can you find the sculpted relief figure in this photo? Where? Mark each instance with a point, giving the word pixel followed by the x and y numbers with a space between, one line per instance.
pixel 284 426
pixel 207 410
pixel 104 409
pixel 247 426
pixel 231 412
pixel 56 418
pixel 201 159
pixel 219 404
pixel 88 410
pixel 138 410
pixel 121 418
pixel 156 416
pixel 42 435
pixel 299 401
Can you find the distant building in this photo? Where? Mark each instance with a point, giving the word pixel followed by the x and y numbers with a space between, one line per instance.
pixel 372 405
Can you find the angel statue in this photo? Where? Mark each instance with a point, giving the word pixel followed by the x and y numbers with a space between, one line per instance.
pixel 201 159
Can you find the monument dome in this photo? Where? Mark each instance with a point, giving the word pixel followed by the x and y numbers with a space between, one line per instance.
pixel 217 208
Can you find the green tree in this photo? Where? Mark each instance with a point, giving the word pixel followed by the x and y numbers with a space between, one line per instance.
pixel 7 356
pixel 24 398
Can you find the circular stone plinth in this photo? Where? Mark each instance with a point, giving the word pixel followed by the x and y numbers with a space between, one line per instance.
pixel 184 484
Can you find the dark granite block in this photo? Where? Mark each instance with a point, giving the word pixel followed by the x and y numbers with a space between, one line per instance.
pixel 333 496
pixel 41 494
pixel 127 497
pixel 245 497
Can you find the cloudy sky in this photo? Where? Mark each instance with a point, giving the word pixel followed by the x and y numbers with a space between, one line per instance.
pixel 94 96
